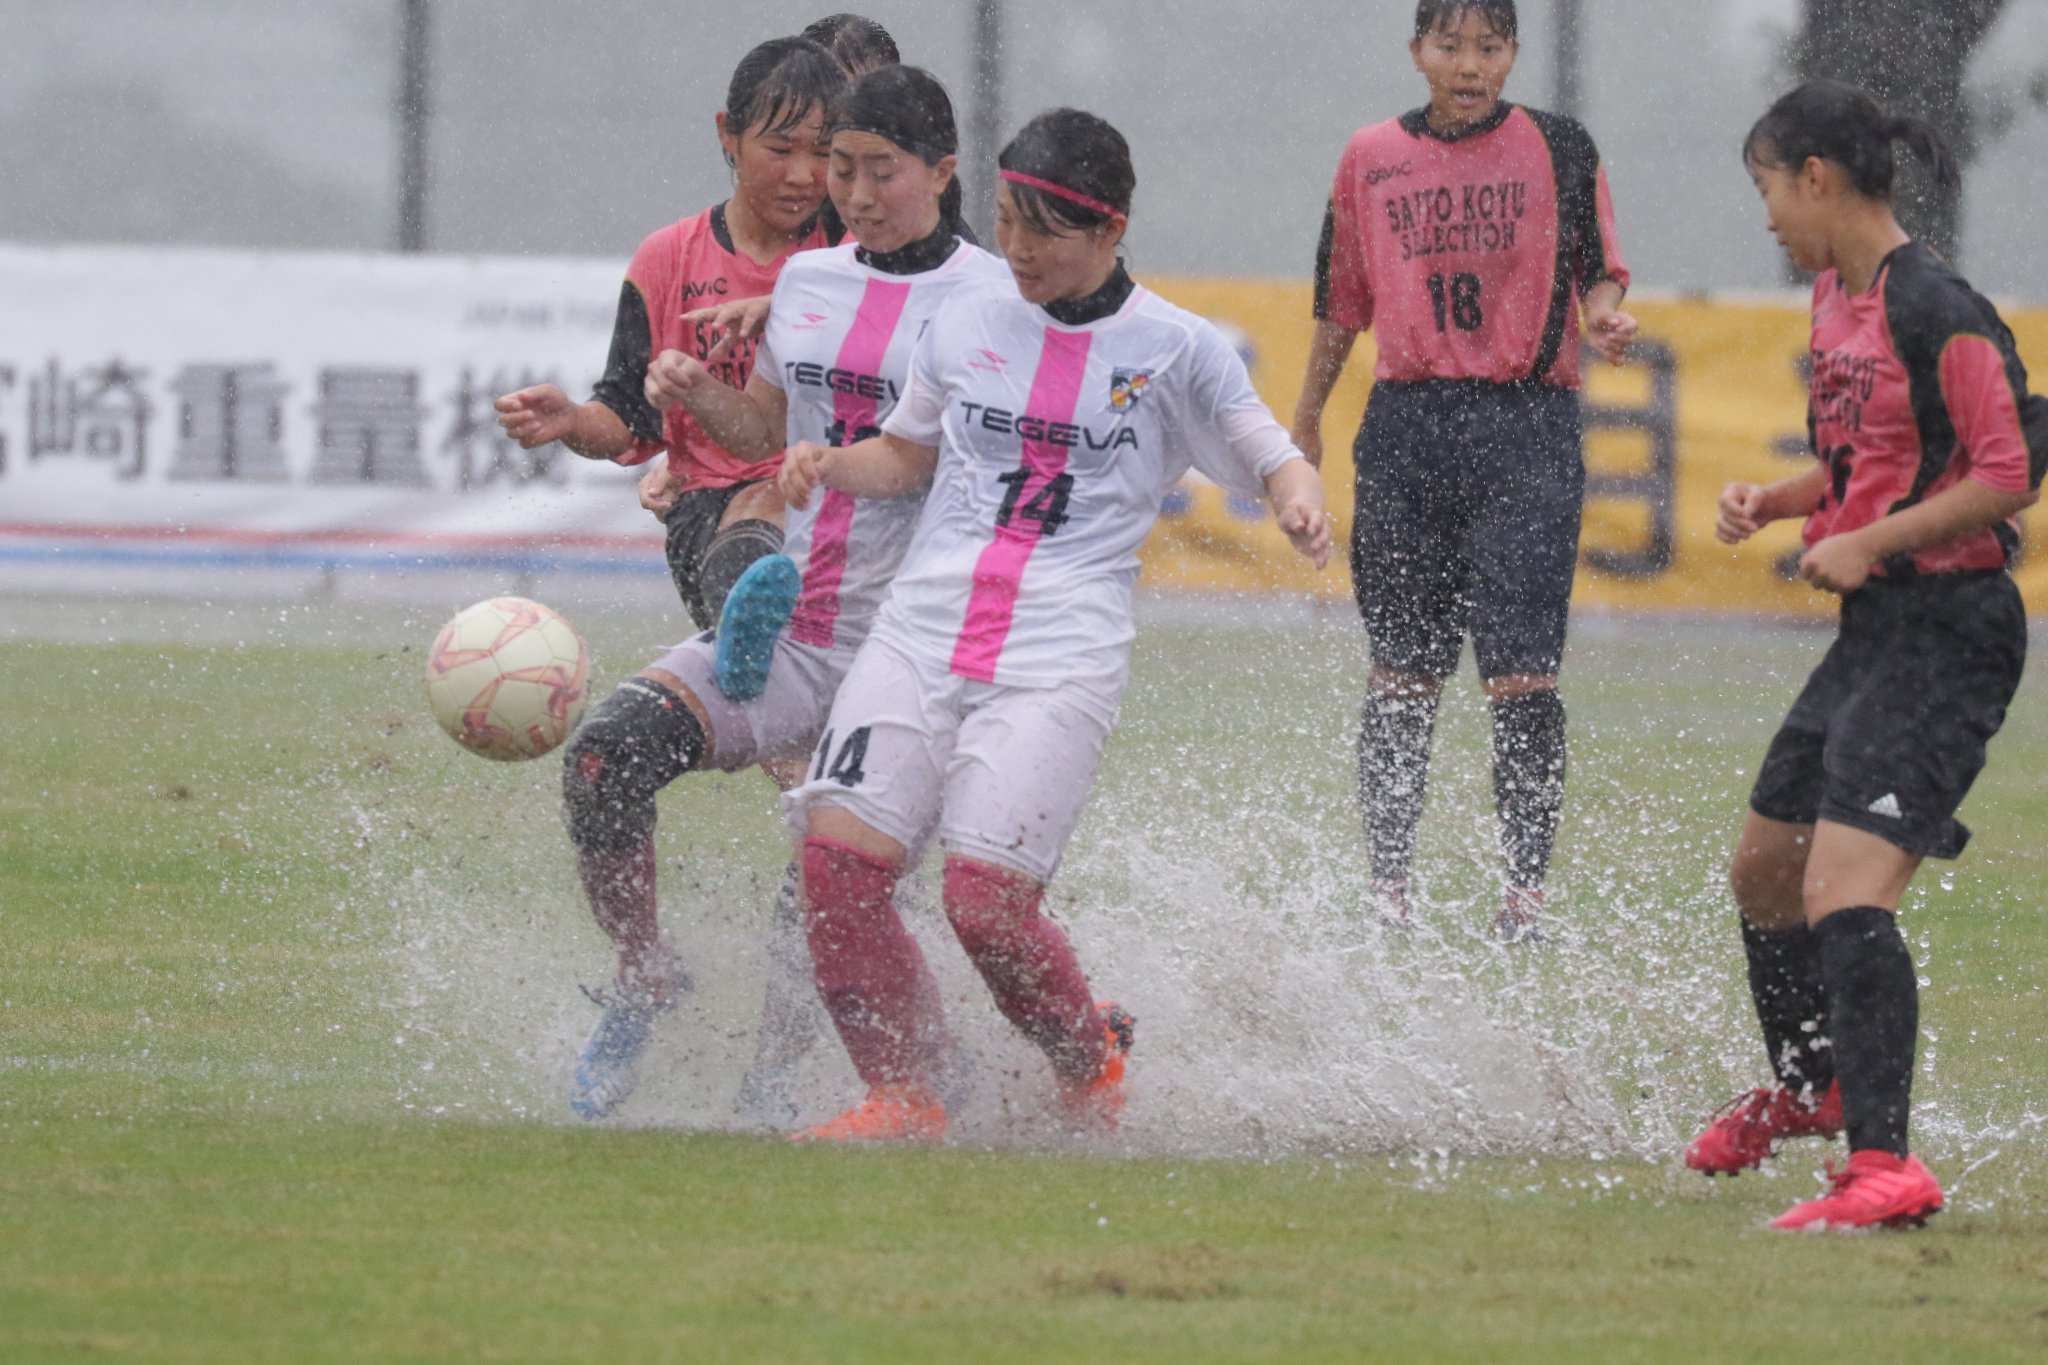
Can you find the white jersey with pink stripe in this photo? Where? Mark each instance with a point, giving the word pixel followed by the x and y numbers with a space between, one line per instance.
pixel 1057 447
pixel 838 344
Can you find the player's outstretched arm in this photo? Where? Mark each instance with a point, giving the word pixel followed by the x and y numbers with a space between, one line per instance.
pixel 882 466
pixel 544 414
pixel 1296 492
pixel 731 323
pixel 1747 508
pixel 1842 563
pixel 1610 330
pixel 747 422
pixel 1327 352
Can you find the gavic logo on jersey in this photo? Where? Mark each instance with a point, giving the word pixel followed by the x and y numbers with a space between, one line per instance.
pixel 699 289
pixel 809 322
pixel 1380 175
pixel 814 376
pixel 1031 428
pixel 987 361
pixel 1126 387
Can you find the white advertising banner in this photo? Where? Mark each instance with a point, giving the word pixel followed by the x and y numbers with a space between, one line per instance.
pixel 177 409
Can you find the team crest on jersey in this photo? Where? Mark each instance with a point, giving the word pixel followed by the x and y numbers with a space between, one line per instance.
pixel 1126 387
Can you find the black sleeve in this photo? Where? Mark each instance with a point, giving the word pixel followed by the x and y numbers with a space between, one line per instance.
pixel 624 386
pixel 1926 304
pixel 1576 163
pixel 1324 244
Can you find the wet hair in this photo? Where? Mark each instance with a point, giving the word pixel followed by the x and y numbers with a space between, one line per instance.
pixel 856 42
pixel 907 106
pixel 1430 15
pixel 779 84
pixel 1844 125
pixel 1074 151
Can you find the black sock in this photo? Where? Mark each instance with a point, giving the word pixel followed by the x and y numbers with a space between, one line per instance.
pixel 731 552
pixel 1393 776
pixel 1874 1020
pixel 1528 780
pixel 1791 1004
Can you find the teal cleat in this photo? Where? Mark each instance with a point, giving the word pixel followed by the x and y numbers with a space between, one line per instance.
pixel 756 610
pixel 608 1068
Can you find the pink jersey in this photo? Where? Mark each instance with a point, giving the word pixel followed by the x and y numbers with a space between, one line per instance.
pixel 1468 256
pixel 684 267
pixel 1916 387
pixel 1057 446
pixel 838 344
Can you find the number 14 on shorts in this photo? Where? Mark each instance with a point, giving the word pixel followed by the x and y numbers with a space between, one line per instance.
pixel 844 767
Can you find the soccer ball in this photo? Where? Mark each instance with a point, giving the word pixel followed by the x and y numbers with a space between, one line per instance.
pixel 507 678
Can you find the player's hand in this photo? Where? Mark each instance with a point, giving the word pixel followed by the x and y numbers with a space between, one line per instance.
pixel 803 469
pixel 536 416
pixel 671 376
pixel 659 489
pixel 1742 513
pixel 730 323
pixel 1308 438
pixel 1307 528
pixel 1838 565
pixel 1612 332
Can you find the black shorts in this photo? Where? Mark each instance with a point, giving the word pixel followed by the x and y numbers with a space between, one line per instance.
pixel 1890 731
pixel 1468 503
pixel 692 525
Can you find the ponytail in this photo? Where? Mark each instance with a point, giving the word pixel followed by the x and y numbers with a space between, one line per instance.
pixel 1845 126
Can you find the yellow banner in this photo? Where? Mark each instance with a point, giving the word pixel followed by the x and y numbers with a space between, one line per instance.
pixel 1713 394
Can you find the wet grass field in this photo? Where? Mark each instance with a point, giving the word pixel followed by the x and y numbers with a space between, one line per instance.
pixel 288 999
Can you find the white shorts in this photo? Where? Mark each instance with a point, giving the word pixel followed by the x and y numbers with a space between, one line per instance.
pixel 999 773
pixel 784 721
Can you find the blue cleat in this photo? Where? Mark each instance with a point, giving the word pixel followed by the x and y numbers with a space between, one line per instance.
pixel 756 610
pixel 609 1066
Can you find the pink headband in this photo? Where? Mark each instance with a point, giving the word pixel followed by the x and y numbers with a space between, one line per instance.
pixel 1060 191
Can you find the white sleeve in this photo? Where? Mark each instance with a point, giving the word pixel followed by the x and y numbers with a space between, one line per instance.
pixel 916 416
pixel 1232 435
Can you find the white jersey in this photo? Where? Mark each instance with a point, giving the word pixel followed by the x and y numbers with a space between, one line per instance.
pixel 1057 446
pixel 838 344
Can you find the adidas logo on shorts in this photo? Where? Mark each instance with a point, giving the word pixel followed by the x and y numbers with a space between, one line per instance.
pixel 1887 806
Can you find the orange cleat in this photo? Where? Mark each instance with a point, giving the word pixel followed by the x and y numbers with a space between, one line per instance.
pixel 901 1112
pixel 1876 1189
pixel 1099 1102
pixel 1756 1123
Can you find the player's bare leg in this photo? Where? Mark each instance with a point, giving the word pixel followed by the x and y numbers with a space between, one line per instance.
pixel 650 731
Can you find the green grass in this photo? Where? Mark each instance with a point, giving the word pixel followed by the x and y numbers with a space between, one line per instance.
pixel 287 986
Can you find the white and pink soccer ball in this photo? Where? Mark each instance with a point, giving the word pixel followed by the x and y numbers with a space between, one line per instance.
pixel 508 678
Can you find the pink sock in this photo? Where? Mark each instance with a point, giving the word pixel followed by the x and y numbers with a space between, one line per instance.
pixel 620 885
pixel 871 974
pixel 1028 964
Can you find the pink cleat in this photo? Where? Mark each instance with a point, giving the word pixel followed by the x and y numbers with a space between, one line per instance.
pixel 1876 1189
pixel 1757 1123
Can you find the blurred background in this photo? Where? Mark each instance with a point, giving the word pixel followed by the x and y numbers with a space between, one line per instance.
pixel 575 128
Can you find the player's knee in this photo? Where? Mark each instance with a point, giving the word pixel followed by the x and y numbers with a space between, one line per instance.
pixel 640 738
pixel 1767 894
pixel 730 554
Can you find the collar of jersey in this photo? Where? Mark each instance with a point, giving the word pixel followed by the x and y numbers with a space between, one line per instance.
pixel 1104 302
pixel 928 253
pixel 1416 124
